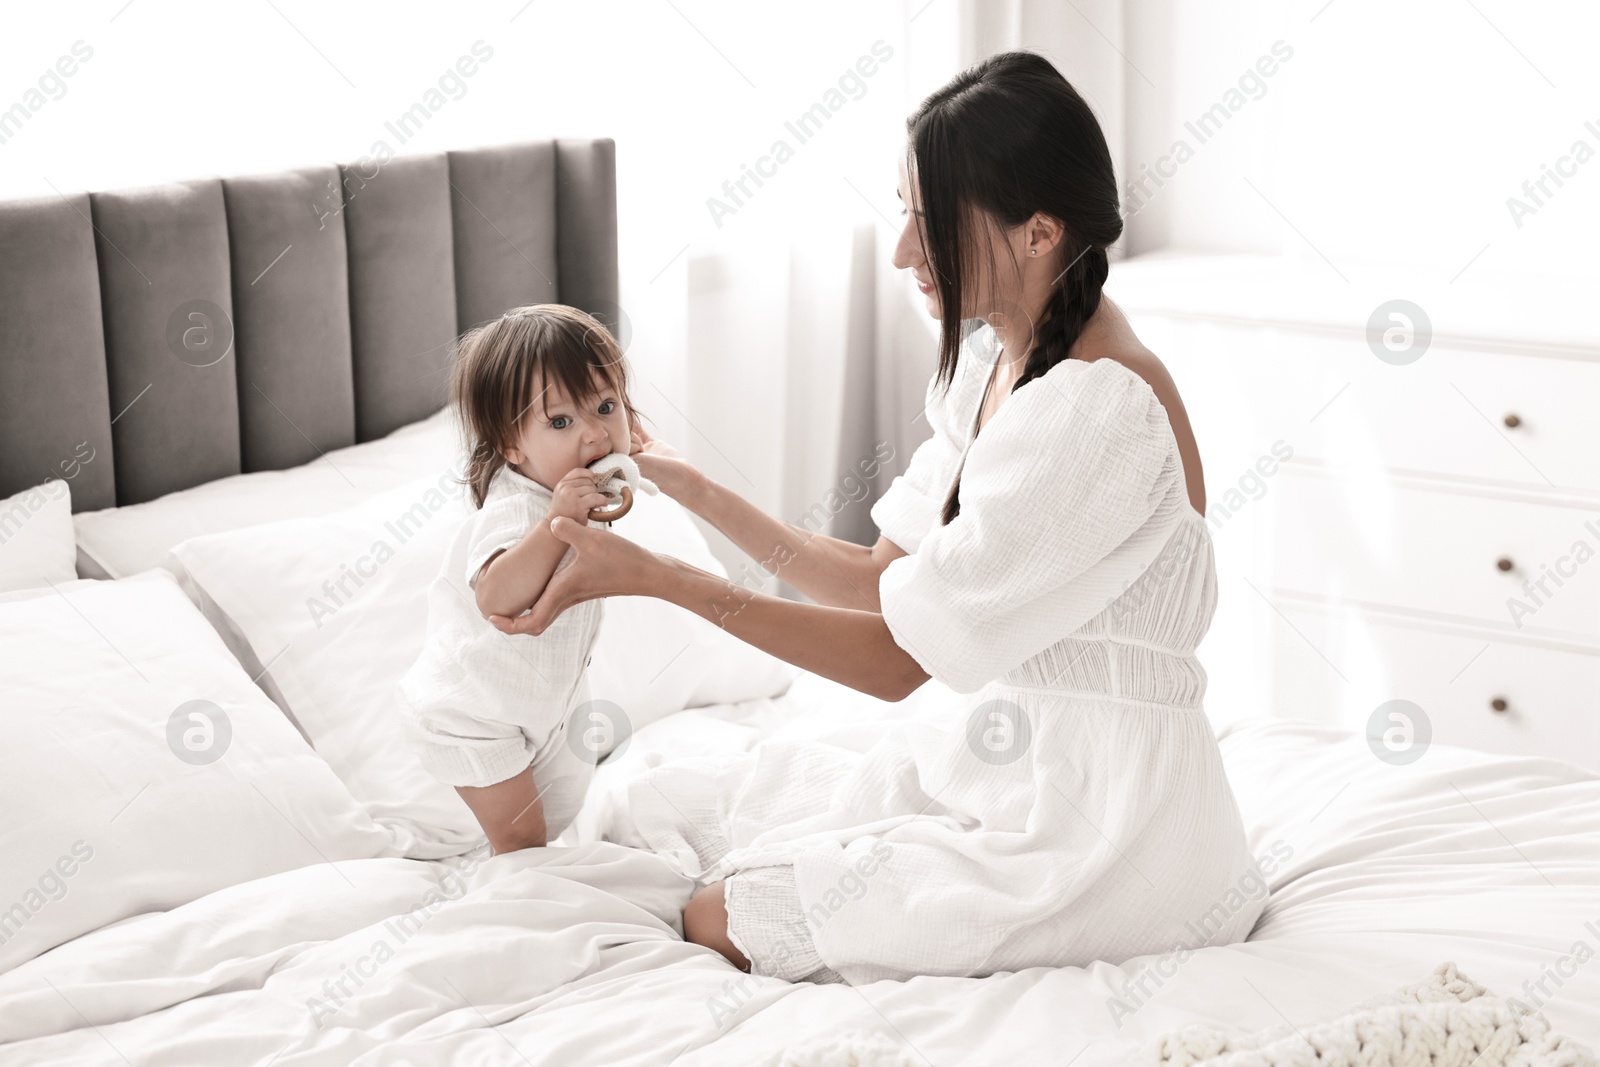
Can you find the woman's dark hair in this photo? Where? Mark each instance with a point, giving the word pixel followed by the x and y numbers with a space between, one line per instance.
pixel 1007 138
pixel 498 363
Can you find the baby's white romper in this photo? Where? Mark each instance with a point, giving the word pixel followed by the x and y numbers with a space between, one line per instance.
pixel 481 706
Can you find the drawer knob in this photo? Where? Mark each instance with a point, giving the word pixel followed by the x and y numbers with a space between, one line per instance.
pixel 1504 563
pixel 1499 704
pixel 1512 420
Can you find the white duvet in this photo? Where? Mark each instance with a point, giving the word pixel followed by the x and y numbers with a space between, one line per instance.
pixel 571 955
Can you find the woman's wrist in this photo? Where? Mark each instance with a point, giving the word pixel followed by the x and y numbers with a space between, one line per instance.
pixel 671 579
pixel 662 578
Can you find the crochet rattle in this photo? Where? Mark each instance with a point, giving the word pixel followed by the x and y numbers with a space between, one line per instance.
pixel 619 476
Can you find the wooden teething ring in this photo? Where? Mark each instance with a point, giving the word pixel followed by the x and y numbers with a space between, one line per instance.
pixel 602 515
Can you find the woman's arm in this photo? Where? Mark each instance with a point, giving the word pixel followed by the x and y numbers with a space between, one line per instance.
pixel 851 646
pixel 826 569
pixel 830 571
pixel 848 645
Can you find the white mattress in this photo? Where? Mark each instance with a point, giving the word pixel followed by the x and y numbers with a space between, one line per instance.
pixel 570 956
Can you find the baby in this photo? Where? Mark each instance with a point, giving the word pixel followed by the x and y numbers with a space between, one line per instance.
pixel 541 392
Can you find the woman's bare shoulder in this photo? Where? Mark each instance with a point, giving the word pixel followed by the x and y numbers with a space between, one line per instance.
pixel 1110 337
pixel 1147 365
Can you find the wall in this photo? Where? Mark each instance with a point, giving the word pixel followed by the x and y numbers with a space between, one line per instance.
pixel 1395 133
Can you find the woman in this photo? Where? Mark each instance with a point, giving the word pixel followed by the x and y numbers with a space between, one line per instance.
pixel 1045 552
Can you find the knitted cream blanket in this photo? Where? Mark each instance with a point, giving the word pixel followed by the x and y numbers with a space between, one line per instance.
pixel 1446 1020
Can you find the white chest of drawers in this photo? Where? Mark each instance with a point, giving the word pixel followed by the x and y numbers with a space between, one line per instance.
pixel 1433 535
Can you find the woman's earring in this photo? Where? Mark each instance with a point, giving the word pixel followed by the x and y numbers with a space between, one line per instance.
pixel 1033 251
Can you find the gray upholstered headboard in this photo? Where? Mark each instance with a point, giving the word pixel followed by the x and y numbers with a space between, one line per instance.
pixel 339 287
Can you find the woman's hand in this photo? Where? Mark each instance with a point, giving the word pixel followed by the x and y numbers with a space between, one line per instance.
pixel 665 465
pixel 604 565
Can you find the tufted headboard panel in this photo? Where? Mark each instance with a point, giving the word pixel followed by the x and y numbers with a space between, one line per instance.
pixel 153 339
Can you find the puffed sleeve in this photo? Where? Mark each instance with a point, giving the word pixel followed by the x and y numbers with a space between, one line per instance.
pixel 911 505
pixel 1069 492
pixel 498 525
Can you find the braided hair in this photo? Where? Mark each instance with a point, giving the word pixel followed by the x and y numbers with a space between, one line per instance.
pixel 1004 140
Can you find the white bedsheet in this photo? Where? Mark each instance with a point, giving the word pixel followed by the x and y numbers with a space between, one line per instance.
pixel 572 956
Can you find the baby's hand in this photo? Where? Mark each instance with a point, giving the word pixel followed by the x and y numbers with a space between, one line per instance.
pixel 575 495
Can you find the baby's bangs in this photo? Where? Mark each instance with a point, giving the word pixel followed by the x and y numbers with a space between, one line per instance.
pixel 584 367
pixel 606 363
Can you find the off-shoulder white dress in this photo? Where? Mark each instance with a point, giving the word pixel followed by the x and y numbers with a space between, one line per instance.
pixel 1077 808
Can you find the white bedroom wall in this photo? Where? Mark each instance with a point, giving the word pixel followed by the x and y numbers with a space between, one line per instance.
pixel 1395 133
pixel 1375 161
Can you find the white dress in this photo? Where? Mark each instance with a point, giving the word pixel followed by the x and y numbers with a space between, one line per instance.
pixel 1077 809
pixel 480 706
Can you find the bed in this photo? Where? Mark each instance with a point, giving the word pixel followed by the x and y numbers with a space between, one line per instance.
pixel 226 484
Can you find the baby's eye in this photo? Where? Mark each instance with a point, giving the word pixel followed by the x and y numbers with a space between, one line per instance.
pixel 560 422
pixel 607 407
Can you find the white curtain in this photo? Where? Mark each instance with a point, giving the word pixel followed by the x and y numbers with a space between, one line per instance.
pixel 1085 39
pixel 808 359
pixel 805 355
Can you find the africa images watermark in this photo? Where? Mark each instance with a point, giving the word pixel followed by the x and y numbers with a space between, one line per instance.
pixel 1538 992
pixel 26 505
pixel 852 487
pixel 343 587
pixel 199 732
pixel 1249 886
pixel 1537 590
pixel 803 128
pixel 451 85
pixel 1538 191
pixel 1251 485
pixel 51 885
pixel 1252 85
pixel 1399 732
pixel 851 886
pixel 52 85
pixel 396 931
pixel 597 730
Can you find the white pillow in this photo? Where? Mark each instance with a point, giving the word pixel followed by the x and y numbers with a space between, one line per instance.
pixel 117 801
pixel 117 542
pixel 36 546
pixel 335 607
